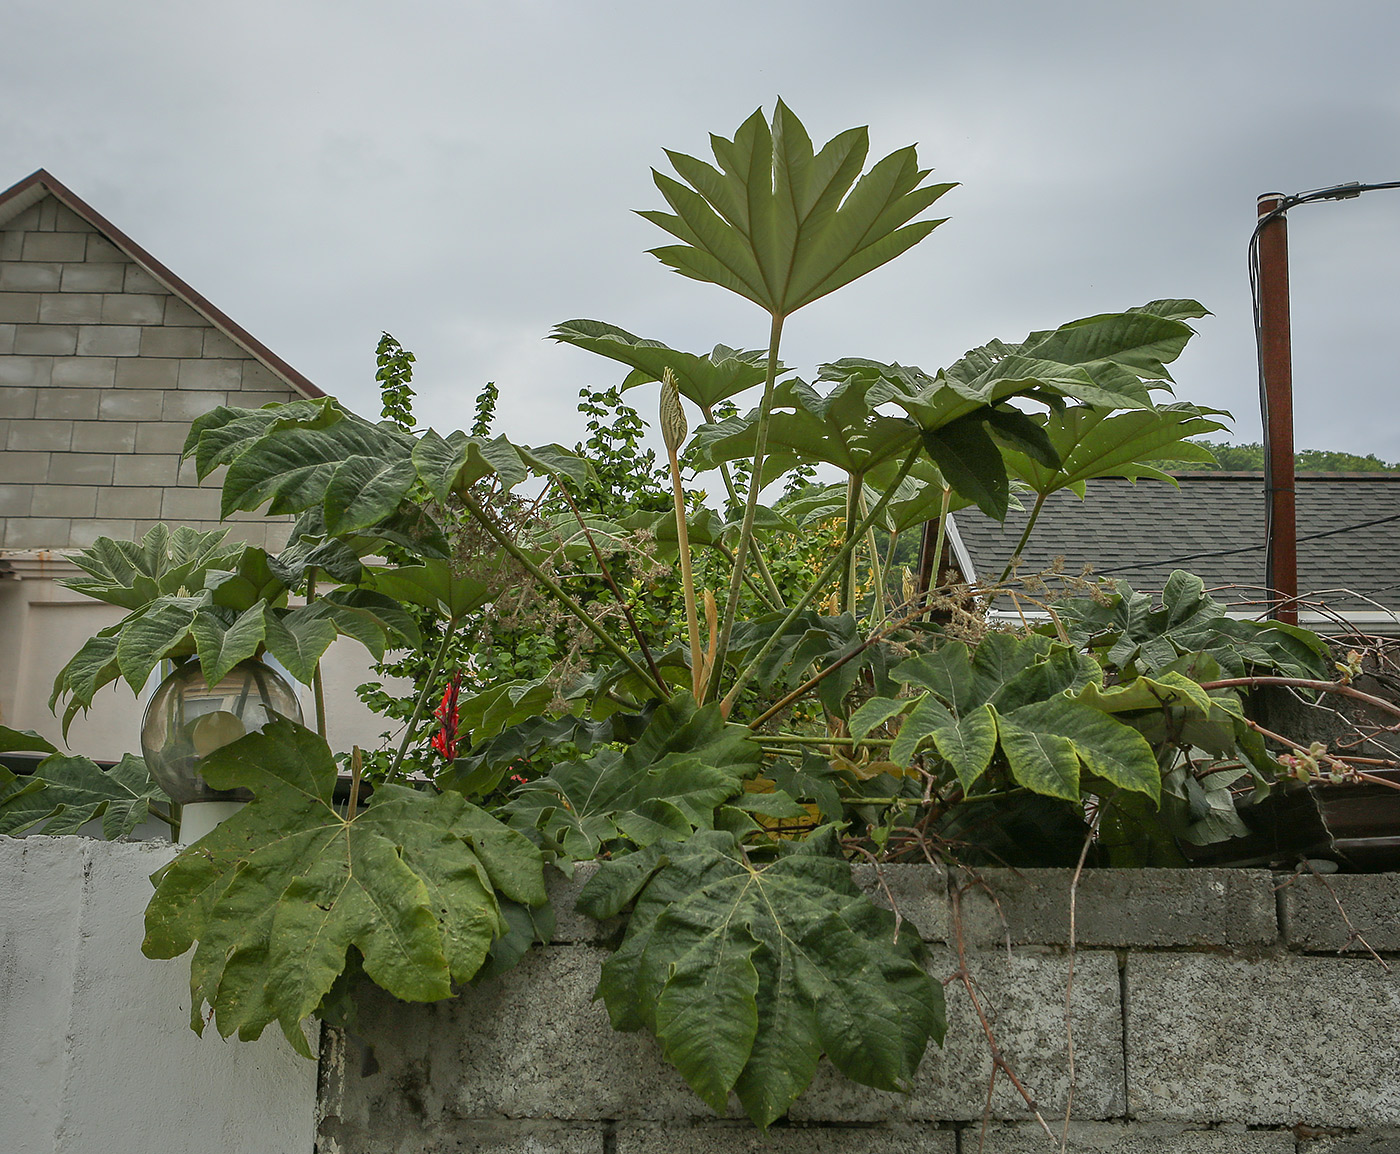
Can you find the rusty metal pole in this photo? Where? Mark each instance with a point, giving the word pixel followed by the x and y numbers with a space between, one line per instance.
pixel 1276 369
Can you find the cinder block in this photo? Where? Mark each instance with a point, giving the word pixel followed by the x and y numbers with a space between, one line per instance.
pixel 276 535
pixel 93 278
pixel 177 312
pixel 48 214
pixel 253 533
pixel 741 1138
pixel 166 342
pixel 132 404
pixel 220 375
pixel 1313 911
pixel 147 372
pixel 186 406
pixel 18 401
pixel 88 530
pixel 40 436
pixel 24 468
pixel 30 276
pixel 1369 1141
pixel 7 339
pixel 190 504
pixel 65 501
pixel 257 377
pixel 533 1045
pixel 85 372
pixel 129 503
pixel 100 250
pixel 1023 995
pixel 138 280
pixel 132 309
pixel 26 371
pixel 70 308
pixel 250 400
pixel 1121 907
pixel 16 500
pixel 69 404
pixel 66 220
pixel 27 221
pixel 55 246
pixel 36 533
pixel 569 924
pixel 920 894
pixel 82 468
pixel 1279 1040
pixel 104 436
pixel 146 469
pixel 11 243
pixel 218 345
pixel 46 340
pixel 109 340
pixel 161 437
pixel 20 308
pixel 1133 1138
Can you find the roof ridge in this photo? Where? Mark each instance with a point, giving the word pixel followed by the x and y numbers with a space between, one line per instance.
pixel 40 183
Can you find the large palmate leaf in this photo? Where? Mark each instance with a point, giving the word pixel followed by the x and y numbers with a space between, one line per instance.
pixel 784 225
pixel 65 793
pixel 1097 442
pixel 1134 633
pixel 706 380
pixel 841 428
pixel 686 765
pixel 278 894
pixel 134 573
pixel 1022 698
pixel 747 973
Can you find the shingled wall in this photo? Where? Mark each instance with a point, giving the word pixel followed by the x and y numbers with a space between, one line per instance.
pixel 102 369
pixel 1212 1013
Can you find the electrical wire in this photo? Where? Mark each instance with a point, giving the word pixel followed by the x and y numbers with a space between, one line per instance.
pixel 1333 192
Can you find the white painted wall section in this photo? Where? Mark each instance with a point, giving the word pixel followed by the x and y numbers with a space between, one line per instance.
pixel 96 1053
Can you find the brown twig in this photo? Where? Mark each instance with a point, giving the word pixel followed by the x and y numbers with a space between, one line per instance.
pixel 999 1063
pixel 1069 981
pixel 356 765
pixel 1305 683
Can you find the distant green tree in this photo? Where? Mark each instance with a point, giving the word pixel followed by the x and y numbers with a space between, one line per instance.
pixel 1250 458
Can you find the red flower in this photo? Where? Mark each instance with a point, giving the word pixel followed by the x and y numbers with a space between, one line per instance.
pixel 445 739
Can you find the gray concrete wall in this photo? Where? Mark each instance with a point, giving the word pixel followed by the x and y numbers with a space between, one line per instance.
pixel 102 369
pixel 1211 1012
pixel 96 1053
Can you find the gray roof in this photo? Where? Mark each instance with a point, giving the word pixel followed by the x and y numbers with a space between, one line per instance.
pixel 1212 525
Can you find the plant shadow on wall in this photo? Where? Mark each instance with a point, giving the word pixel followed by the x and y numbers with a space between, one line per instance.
pixel 724 705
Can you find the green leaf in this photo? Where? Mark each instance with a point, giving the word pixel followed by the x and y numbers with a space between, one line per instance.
pixel 970 461
pixel 364 491
pixel 685 764
pixel 783 226
pixel 297 638
pixel 66 793
pixel 705 380
pixel 224 640
pixel 1107 748
pixel 432 585
pixel 746 972
pixel 1044 762
pixel 134 573
pixel 24 741
pixel 162 630
pixel 278 894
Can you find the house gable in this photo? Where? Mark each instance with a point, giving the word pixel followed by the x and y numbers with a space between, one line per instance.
pixel 105 359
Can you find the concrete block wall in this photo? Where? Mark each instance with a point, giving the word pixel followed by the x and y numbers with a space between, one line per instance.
pixel 102 369
pixel 1213 1011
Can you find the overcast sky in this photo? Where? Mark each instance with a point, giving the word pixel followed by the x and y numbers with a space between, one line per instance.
pixel 462 174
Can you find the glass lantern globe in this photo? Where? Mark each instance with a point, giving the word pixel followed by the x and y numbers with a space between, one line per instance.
pixel 187 719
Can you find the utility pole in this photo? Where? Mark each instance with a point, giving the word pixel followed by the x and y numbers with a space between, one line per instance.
pixel 1276 369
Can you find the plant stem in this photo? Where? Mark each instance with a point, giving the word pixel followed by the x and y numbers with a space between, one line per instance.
pixel 801 739
pixel 608 577
pixel 692 616
pixel 412 729
pixel 317 689
pixel 939 538
pixel 774 597
pixel 847 597
pixel 503 540
pixel 877 571
pixel 356 768
pixel 741 549
pixel 1021 544
pixel 823 577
